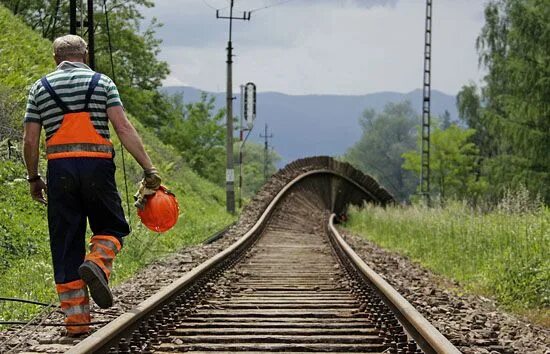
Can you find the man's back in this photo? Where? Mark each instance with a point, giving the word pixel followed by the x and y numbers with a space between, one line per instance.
pixel 70 82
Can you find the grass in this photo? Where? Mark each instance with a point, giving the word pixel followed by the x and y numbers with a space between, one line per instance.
pixel 503 253
pixel 24 57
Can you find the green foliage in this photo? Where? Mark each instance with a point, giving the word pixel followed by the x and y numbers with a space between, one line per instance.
pixel 138 71
pixel 196 131
pixel 469 107
pixel 253 166
pixel 18 227
pixel 445 119
pixel 503 253
pixel 46 17
pixel 24 58
pixel 9 109
pixel 452 163
pixel 511 113
pixel 386 136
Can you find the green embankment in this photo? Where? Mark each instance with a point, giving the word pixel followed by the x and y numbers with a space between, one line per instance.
pixel 502 253
pixel 25 262
pixel 24 55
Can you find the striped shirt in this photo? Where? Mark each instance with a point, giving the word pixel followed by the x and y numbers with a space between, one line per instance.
pixel 71 81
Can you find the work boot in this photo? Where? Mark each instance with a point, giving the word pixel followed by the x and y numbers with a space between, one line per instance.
pixel 97 267
pixel 75 304
pixel 97 283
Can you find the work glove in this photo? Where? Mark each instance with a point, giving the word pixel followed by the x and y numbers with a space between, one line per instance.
pixel 140 198
pixel 152 178
pixel 148 186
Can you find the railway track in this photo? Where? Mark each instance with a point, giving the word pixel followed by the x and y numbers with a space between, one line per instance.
pixel 290 284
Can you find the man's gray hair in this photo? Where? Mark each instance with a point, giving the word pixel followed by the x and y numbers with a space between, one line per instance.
pixel 69 46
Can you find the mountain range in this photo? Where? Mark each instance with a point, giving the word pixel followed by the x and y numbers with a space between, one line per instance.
pixel 308 125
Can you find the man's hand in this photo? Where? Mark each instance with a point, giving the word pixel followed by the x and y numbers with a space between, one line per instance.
pixel 37 189
pixel 151 178
pixel 140 197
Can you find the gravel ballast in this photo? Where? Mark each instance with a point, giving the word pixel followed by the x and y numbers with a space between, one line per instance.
pixel 473 323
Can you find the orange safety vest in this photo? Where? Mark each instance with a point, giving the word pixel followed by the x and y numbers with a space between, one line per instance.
pixel 76 137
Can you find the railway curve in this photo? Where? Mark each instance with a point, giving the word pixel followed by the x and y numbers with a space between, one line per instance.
pixel 289 284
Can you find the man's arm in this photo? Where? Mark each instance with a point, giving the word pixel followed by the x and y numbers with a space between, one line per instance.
pixel 31 143
pixel 129 136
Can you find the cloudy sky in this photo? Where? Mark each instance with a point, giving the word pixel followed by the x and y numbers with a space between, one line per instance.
pixel 320 46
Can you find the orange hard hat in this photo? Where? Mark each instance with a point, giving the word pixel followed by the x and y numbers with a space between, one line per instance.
pixel 160 212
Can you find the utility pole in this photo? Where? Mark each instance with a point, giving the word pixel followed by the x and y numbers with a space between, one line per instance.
pixel 230 172
pixel 266 151
pixel 73 24
pixel 72 17
pixel 426 102
pixel 91 35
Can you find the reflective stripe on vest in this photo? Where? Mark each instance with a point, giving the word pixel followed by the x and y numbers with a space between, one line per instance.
pixel 76 137
pixel 57 149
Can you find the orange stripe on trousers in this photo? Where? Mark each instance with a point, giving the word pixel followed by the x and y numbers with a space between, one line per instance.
pixel 103 255
pixel 76 309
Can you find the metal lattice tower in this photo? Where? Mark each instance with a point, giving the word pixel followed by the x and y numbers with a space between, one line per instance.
pixel 426 101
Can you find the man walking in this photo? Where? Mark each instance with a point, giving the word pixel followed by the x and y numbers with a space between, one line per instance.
pixel 74 106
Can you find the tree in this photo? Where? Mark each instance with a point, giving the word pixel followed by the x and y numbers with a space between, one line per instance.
pixel 512 112
pixel 445 120
pixel 452 162
pixel 386 136
pixel 253 167
pixel 197 132
pixel 41 15
pixel 139 73
pixel 468 102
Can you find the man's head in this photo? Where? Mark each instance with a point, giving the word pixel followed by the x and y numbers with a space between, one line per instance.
pixel 70 48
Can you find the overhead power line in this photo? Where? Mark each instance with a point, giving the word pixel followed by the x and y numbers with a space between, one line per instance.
pixel 214 8
pixel 270 6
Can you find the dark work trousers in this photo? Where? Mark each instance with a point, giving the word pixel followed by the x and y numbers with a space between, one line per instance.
pixel 81 189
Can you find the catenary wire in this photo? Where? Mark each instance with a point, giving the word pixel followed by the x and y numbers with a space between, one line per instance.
pixel 214 8
pixel 270 6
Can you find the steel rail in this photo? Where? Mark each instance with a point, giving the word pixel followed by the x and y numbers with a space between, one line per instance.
pixel 123 326
pixel 215 237
pixel 127 322
pixel 417 326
